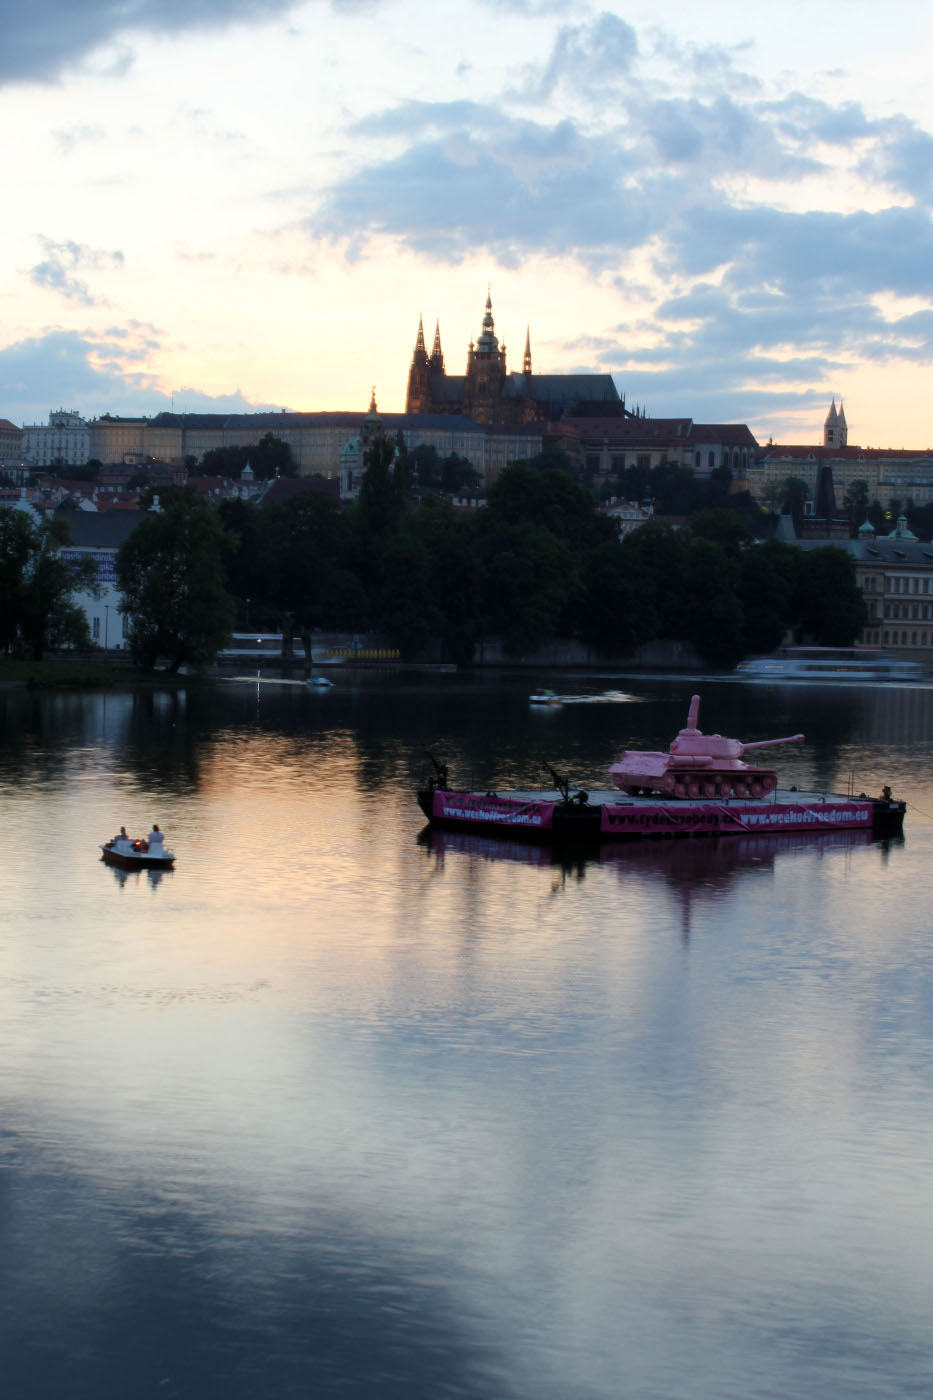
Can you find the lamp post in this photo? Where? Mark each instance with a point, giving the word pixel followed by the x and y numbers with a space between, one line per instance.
pixel 106 625
pixel 247 614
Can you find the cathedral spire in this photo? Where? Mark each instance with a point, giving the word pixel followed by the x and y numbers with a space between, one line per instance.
pixel 437 354
pixel 419 343
pixel 526 361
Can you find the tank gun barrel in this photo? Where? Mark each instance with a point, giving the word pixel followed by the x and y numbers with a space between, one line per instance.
pixel 766 743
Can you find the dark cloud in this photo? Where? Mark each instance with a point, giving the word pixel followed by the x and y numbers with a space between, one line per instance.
pixel 511 187
pixel 808 254
pixel 44 37
pixel 57 269
pixel 98 374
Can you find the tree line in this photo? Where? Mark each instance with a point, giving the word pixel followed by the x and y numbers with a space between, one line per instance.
pixel 538 561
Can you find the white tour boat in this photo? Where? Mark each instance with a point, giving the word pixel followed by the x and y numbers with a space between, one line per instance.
pixel 830 664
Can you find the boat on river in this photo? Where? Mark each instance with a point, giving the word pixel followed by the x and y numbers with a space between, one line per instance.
pixel 544 697
pixel 137 853
pixel 830 664
pixel 700 787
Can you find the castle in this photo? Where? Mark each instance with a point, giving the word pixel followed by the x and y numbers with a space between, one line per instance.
pixel 489 393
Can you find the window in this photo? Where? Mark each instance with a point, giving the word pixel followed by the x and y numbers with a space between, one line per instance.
pixel 644 459
pixel 592 461
pixel 618 461
pixel 711 460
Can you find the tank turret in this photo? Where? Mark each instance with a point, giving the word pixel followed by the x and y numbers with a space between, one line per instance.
pixel 698 765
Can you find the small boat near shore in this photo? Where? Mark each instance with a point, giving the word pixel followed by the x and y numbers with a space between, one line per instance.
pixel 544 697
pixel 701 787
pixel 136 853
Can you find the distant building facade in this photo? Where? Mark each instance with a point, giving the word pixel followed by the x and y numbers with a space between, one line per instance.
pixel 895 573
pixel 63 440
pixel 11 444
pixel 610 445
pixel 889 474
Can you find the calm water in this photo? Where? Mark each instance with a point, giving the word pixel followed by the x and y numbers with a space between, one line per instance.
pixel 335 1110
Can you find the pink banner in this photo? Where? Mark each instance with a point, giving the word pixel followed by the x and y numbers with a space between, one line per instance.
pixel 492 810
pixel 645 820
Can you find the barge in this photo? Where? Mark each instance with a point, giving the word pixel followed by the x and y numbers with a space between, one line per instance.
pixel 701 787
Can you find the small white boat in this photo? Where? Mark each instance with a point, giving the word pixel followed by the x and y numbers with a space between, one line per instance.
pixel 544 697
pixel 136 853
pixel 322 682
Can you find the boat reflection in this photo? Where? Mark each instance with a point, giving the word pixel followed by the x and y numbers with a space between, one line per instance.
pixel 137 877
pixel 696 872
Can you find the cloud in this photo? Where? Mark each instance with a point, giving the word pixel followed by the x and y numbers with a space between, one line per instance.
pixel 585 57
pixel 480 181
pixel 70 137
pixel 62 260
pixel 98 373
pixel 45 37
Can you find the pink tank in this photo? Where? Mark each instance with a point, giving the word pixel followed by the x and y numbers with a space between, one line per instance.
pixel 698 765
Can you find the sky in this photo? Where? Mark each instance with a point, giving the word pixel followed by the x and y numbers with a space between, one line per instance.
pixel 229 205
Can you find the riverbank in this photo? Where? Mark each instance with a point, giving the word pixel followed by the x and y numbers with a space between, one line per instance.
pixel 84 673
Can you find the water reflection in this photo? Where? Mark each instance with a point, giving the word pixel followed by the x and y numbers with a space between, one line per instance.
pixel 340 1108
pixel 152 878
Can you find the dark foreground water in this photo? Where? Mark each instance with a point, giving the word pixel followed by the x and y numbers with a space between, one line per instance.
pixel 333 1110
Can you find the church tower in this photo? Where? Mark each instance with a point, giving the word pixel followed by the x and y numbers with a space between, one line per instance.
pixel 835 429
pixel 485 374
pixel 526 359
pixel 418 398
pixel 437 354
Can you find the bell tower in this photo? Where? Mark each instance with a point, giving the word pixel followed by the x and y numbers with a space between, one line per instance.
pixel 835 429
pixel 418 398
pixel 485 373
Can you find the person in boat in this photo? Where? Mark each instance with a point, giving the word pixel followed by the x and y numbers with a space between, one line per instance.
pixel 155 837
pixel 120 836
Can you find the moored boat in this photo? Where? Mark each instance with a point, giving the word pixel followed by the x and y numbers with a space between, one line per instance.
pixel 700 788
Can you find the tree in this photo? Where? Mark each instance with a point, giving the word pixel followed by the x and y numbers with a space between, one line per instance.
pixel 830 608
pixel 37 586
pixel 529 582
pixel 382 490
pixel 855 503
pixel 171 574
pixel 794 493
pixel 768 584
pixel 726 528
pixel 616 609
pixel 459 476
pixel 267 458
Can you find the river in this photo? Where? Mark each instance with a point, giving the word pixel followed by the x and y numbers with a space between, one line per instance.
pixel 337 1109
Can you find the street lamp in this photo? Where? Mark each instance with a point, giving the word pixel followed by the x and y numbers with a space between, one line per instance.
pixel 106 625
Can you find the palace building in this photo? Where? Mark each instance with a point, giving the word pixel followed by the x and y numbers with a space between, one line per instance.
pixel 490 393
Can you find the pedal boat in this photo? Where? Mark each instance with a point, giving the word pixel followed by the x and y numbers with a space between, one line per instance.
pixel 135 853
